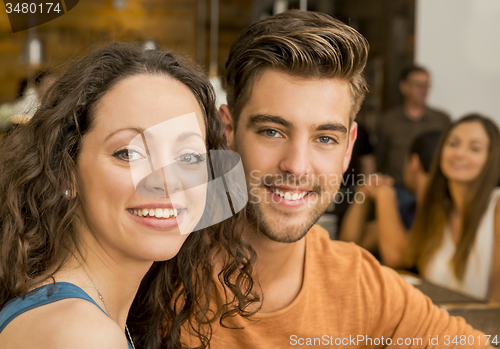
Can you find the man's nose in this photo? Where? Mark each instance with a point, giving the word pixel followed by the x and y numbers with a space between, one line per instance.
pixel 296 158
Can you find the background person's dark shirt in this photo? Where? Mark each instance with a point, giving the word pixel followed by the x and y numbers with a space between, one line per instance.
pixel 396 133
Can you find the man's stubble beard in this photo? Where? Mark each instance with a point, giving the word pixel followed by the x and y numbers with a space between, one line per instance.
pixel 287 234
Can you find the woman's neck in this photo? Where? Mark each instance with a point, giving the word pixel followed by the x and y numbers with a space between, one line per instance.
pixel 457 192
pixel 116 278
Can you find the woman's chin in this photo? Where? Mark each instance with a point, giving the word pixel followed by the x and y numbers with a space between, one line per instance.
pixel 165 249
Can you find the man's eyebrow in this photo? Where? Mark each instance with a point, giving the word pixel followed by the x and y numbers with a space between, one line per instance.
pixel 138 130
pixel 331 127
pixel 262 118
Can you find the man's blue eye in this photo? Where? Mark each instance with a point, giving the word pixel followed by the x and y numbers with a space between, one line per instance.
pixel 271 133
pixel 325 139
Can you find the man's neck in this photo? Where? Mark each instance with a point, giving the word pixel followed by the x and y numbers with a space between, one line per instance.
pixel 414 111
pixel 279 269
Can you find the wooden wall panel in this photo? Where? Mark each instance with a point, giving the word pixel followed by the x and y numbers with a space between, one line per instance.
pixel 92 23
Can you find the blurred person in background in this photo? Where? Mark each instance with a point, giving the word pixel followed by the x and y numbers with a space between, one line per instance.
pixel 84 256
pixel 391 216
pixel 455 239
pixel 401 125
pixel 361 166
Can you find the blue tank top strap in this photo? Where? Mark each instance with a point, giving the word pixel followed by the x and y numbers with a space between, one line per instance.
pixel 40 296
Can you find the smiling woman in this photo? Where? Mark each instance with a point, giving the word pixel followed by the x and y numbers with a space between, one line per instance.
pixel 455 240
pixel 99 193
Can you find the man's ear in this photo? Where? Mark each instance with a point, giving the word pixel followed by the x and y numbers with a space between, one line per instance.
pixel 403 87
pixel 415 164
pixel 227 119
pixel 353 133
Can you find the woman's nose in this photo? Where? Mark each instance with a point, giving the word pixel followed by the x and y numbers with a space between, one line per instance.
pixel 160 183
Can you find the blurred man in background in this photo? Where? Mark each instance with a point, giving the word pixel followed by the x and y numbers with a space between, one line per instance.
pixel 402 124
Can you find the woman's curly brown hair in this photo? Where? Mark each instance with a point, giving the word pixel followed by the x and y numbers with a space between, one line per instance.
pixel 36 218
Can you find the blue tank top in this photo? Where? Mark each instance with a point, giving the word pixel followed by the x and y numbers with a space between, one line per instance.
pixel 40 296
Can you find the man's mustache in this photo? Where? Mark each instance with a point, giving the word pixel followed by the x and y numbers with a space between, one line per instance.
pixel 292 181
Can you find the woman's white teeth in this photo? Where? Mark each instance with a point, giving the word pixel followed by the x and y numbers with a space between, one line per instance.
pixel 156 212
pixel 288 196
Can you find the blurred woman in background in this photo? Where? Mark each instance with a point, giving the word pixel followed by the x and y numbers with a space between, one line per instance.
pixel 455 240
pixel 78 243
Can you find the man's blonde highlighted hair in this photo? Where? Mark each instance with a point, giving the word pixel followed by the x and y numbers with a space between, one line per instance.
pixel 304 44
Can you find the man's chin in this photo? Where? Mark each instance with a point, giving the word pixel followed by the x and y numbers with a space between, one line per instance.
pixel 286 230
pixel 284 235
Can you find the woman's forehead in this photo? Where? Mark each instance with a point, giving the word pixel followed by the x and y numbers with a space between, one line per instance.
pixel 473 131
pixel 144 101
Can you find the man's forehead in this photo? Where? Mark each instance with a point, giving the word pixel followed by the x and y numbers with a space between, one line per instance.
pixel 418 75
pixel 299 100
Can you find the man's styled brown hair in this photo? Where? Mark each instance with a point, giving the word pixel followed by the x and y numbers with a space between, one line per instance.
pixel 304 44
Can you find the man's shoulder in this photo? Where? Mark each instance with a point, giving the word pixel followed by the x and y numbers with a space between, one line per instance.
pixel 345 256
pixel 439 114
pixel 349 267
pixel 394 113
pixel 320 241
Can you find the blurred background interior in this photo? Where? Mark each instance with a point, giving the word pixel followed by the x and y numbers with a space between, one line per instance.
pixel 458 41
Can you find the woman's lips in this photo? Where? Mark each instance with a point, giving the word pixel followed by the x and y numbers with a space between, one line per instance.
pixel 155 212
pixel 160 223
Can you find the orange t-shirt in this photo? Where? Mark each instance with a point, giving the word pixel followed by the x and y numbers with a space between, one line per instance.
pixel 348 300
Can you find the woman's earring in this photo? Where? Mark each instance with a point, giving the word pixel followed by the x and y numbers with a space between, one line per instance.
pixel 68 194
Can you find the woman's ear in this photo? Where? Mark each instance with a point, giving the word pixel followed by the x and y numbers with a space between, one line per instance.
pixel 227 119
pixel 70 188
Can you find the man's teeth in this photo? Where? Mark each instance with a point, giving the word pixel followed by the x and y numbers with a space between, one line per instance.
pixel 288 196
pixel 156 212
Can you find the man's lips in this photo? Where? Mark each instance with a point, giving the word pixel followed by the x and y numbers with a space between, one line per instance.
pixel 289 196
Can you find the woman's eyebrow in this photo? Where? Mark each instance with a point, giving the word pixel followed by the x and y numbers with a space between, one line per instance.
pixel 138 130
pixel 478 140
pixel 186 134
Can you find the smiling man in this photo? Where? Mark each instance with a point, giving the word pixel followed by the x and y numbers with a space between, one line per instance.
pixel 295 85
pixel 294 125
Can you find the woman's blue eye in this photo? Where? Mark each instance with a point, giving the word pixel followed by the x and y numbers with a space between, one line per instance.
pixel 271 133
pixel 128 155
pixel 190 158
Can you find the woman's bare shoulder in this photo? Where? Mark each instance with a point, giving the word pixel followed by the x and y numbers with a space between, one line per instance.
pixel 69 323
